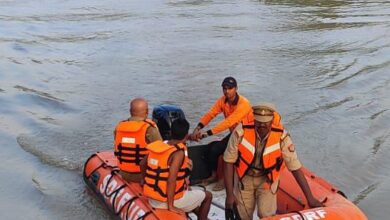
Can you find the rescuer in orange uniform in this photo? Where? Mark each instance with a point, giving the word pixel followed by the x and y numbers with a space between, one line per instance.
pixel 131 137
pixel 235 108
pixel 257 151
pixel 165 170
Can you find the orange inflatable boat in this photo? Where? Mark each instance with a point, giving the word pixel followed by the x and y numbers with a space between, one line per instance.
pixel 127 201
pixel 292 204
pixel 122 198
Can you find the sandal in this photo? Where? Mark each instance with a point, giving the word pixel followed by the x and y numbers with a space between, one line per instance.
pixel 220 185
pixel 207 182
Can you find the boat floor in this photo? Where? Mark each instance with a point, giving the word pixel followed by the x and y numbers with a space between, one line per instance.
pixel 216 209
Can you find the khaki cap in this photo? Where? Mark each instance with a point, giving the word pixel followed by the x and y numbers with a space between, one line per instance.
pixel 264 111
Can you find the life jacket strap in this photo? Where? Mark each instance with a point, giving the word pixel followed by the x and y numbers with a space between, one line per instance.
pixel 163 178
pixel 159 190
pixel 128 161
pixel 146 121
pixel 158 172
pixel 277 130
pixel 137 155
pixel 157 178
pixel 276 166
pixel 187 171
pixel 158 168
pixel 242 159
pixel 125 148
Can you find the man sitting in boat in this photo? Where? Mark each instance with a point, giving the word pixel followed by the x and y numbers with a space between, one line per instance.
pixel 131 137
pixel 259 149
pixel 166 169
pixel 234 108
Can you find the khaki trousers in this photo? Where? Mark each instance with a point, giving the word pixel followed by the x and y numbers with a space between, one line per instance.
pixel 253 194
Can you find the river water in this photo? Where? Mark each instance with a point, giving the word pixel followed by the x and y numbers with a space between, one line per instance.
pixel 69 68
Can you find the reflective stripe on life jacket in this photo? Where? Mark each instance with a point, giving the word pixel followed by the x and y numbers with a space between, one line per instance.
pixel 157 171
pixel 130 144
pixel 272 161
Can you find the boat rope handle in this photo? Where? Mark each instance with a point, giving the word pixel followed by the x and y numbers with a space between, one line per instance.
pixel 108 183
pixel 103 164
pixel 116 192
pixel 300 214
pixel 292 197
pixel 144 216
pixel 342 194
pixel 128 206
pixel 114 199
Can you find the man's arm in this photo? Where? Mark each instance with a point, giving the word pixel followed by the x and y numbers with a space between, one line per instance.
pixel 243 109
pixel 176 160
pixel 142 165
pixel 302 182
pixel 196 134
pixel 152 134
pixel 230 157
pixel 211 114
pixel 294 165
pixel 229 184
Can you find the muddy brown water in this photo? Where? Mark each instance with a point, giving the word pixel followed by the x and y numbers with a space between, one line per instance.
pixel 69 68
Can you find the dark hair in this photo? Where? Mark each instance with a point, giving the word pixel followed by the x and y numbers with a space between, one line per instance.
pixel 179 128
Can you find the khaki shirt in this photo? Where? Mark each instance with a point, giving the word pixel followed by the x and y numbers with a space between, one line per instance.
pixel 152 134
pixel 288 151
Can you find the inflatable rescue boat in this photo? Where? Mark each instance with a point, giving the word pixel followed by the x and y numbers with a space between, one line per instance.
pixel 127 201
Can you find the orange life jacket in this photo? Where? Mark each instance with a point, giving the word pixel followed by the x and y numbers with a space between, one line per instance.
pixel 130 144
pixel 272 161
pixel 157 171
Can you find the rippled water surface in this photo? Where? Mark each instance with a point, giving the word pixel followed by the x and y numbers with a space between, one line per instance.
pixel 69 68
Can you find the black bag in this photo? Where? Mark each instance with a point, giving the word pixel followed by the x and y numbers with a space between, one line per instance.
pixel 201 168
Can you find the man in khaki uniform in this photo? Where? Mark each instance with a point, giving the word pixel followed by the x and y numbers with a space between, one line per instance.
pixel 138 113
pixel 266 140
